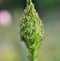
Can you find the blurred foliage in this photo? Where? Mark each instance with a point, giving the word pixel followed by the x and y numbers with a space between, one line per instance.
pixel 49 3
pixel 21 3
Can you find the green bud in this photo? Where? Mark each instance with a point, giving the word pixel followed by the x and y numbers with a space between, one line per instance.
pixel 31 29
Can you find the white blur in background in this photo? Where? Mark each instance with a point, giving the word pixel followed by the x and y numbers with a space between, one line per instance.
pixel 5 17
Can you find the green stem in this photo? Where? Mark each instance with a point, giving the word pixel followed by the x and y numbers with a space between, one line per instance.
pixel 34 55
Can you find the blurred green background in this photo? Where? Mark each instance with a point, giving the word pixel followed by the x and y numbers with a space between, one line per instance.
pixel 13 49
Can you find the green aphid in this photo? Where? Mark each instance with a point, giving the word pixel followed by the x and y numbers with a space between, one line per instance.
pixel 31 30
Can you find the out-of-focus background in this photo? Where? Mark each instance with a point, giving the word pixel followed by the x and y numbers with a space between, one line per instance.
pixel 11 47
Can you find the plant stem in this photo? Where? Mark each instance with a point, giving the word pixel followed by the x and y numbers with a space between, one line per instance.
pixel 34 55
